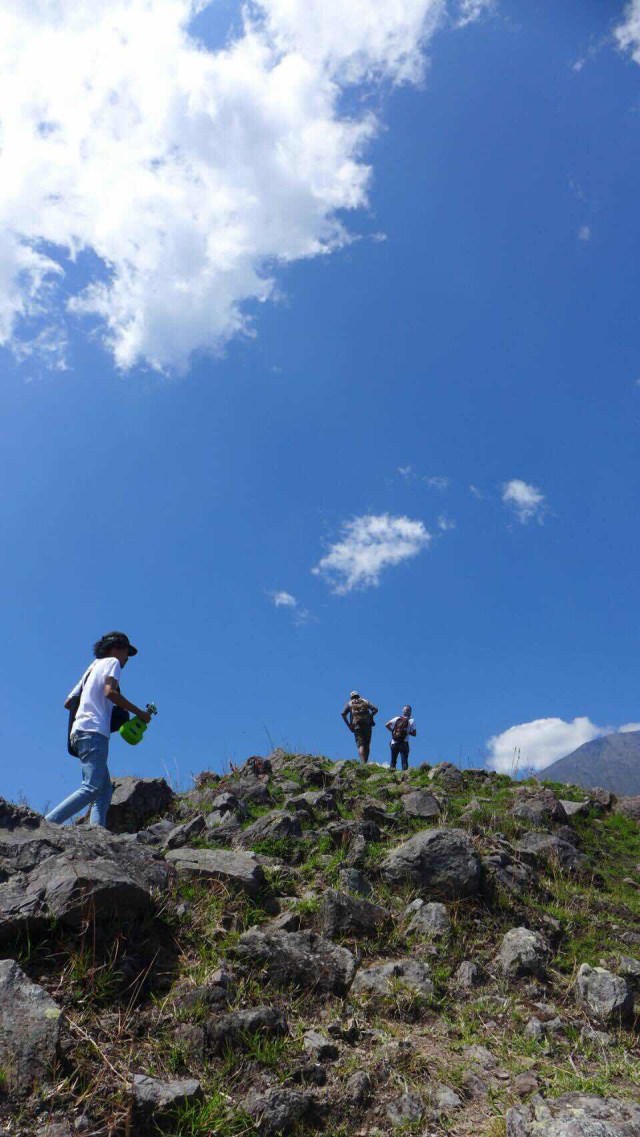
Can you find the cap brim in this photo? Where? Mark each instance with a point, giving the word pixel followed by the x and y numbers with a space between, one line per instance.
pixel 132 650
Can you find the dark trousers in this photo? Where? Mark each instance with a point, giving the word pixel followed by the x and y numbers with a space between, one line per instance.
pixel 402 749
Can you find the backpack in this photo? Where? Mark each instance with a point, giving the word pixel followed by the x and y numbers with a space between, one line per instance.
pixel 118 716
pixel 360 712
pixel 400 729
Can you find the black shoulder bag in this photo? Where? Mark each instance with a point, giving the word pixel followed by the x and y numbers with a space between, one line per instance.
pixel 118 716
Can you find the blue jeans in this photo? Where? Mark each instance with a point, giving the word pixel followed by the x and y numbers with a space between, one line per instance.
pixel 400 749
pixel 96 788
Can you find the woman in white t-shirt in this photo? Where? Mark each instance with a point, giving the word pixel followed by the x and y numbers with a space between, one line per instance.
pixel 99 691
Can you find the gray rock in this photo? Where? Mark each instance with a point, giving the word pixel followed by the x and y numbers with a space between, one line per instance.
pixel 271 826
pixel 538 806
pixel 279 1110
pixel 383 979
pixel 314 801
pixel 629 968
pixel 447 775
pixel 629 806
pixel 29 1029
pixel 341 914
pixel 181 835
pixel 352 880
pixel 467 975
pixel 523 952
pixel 358 1088
pixel 606 998
pixel 480 1055
pixel 446 1099
pixel 58 1129
pixel 405 1110
pixel 320 1047
pixel 440 861
pixel 547 847
pixel 422 804
pixel 431 920
pixel 507 874
pixel 575 808
pixel 153 1097
pixel 238 870
pixel 233 1029
pixel 136 801
pixel 534 1029
pixel 574 1115
pixel 227 803
pixel 301 959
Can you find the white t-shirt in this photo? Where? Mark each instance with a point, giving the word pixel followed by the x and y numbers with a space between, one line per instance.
pixel 94 712
pixel 392 723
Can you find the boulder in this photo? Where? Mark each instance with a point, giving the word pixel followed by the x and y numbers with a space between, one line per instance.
pixel 29 1029
pixel 181 835
pixel 547 847
pixel 502 871
pixel 382 979
pixel 629 806
pixel 352 880
pixel 315 801
pixel 279 1110
pixel 523 952
pixel 341 914
pixel 422 804
pixel 136 801
pixel 233 1029
pixel 629 968
pixel 240 871
pixel 155 1098
pixel 538 806
pixel 606 998
pixel 574 1115
pixel 430 920
pixel 448 776
pixel 440 861
pixel 302 959
pixel 271 826
pixel 357 1090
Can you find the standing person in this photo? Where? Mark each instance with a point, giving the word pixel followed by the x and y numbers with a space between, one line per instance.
pixel 359 715
pixel 401 727
pixel 99 692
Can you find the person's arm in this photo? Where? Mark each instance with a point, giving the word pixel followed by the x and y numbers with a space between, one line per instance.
pixel 346 720
pixel 389 725
pixel 73 693
pixel 113 693
pixel 412 730
pixel 374 711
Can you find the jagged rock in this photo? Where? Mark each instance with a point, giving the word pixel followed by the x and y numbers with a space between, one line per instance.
pixel 287 921
pixel 525 1084
pixel 213 996
pixel 352 880
pixel 223 828
pixel 358 1088
pixel 534 1029
pixel 448 776
pixel 474 1085
pixel 303 959
pixel 345 832
pixel 405 1110
pixel 430 920
pixel 446 1099
pixel 575 808
pixel 629 806
pixel 539 806
pixel 440 861
pixel 574 1115
pixel 629 968
pixel 506 873
pixel 233 1029
pixel 29 1029
pixel 341 914
pixel 155 1098
pixel 383 978
pixel 420 803
pixel 228 802
pixel 314 801
pixel 523 952
pixel 157 833
pixel 252 790
pixel 605 997
pixel 317 1046
pixel 279 1110
pixel 181 835
pixel 467 975
pixel 548 847
pixel 238 870
pixel 370 809
pixel 136 801
pixel 270 826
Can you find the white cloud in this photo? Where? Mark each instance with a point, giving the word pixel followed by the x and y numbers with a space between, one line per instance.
pixel 367 547
pixel 445 524
pixel 437 482
pixel 476 492
pixel 584 233
pixel 628 32
pixel 407 471
pixel 187 175
pixel 535 745
pixel 527 501
pixel 284 600
pixel 471 10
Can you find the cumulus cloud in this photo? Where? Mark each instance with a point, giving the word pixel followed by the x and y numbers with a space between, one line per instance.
pixel 368 545
pixel 534 745
pixel 167 180
pixel 527 502
pixel 628 32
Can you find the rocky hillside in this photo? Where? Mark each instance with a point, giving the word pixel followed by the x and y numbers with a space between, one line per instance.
pixel 612 762
pixel 329 949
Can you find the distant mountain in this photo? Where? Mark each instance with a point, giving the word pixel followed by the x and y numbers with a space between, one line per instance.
pixel 612 762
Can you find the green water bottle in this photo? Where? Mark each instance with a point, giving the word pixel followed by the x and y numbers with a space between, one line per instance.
pixel 133 730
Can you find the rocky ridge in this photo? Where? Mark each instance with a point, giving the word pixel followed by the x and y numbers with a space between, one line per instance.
pixel 323 948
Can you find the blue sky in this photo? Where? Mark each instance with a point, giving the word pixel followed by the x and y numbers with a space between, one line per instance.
pixel 421 381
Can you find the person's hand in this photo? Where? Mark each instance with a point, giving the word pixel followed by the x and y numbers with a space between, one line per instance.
pixel 145 716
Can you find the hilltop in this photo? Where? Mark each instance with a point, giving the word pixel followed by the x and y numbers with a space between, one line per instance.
pixel 612 762
pixel 323 948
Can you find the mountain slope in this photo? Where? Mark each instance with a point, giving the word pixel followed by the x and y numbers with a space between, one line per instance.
pixel 612 762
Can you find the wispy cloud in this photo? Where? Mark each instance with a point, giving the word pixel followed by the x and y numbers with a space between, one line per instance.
pixel 475 492
pixel 628 32
pixel 584 233
pixel 535 745
pixel 368 546
pixel 526 501
pixel 299 613
pixel 438 482
pixel 284 600
pixel 445 524
pixel 188 174
pixel 471 10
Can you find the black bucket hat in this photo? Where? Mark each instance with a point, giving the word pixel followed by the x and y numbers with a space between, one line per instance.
pixel 118 639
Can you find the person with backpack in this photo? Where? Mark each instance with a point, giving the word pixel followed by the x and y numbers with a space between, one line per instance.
pixel 401 727
pixel 359 715
pixel 96 708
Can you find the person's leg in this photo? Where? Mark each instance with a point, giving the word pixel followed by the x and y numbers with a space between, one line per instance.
pixel 92 751
pixel 394 754
pixel 405 756
pixel 366 747
pixel 100 807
